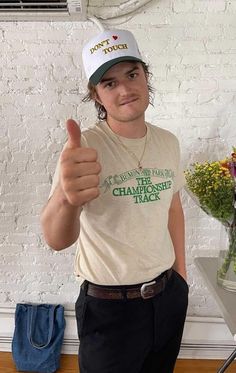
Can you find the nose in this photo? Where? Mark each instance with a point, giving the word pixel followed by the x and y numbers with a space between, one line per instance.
pixel 124 88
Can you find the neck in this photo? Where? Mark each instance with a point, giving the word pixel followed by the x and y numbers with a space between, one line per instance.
pixel 132 129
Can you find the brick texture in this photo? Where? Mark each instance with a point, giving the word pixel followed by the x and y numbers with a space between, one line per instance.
pixel 191 48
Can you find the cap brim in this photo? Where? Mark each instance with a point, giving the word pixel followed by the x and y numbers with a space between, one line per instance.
pixel 97 76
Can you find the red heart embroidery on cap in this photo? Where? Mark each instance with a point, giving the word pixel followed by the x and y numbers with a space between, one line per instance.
pixel 115 37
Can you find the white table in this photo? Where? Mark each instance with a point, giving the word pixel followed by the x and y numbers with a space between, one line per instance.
pixel 225 299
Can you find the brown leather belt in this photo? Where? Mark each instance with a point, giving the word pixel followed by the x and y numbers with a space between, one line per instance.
pixel 145 291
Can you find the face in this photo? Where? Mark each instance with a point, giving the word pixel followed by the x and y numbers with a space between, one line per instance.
pixel 123 91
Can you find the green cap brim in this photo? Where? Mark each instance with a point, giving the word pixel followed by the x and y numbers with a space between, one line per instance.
pixel 97 76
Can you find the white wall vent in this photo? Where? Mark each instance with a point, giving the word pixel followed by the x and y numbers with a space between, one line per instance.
pixel 51 10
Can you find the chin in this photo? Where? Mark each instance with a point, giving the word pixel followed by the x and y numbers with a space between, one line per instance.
pixel 131 118
pixel 133 113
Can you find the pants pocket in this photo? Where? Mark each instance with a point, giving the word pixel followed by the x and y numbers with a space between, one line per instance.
pixel 182 280
pixel 80 310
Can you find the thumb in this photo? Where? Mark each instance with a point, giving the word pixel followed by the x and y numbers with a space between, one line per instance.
pixel 74 134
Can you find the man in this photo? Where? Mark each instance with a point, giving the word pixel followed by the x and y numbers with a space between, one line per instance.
pixel 116 191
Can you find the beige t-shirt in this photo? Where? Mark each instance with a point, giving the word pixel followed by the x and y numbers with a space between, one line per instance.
pixel 124 238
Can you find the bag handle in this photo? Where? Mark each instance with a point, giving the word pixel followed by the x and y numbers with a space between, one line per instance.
pixel 31 322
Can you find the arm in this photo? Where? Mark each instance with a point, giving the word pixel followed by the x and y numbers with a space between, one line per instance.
pixel 60 221
pixel 78 184
pixel 177 233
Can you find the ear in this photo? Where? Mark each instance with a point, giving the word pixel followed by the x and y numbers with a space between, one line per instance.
pixel 96 97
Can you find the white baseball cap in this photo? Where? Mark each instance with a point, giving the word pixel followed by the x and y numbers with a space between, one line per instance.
pixel 105 50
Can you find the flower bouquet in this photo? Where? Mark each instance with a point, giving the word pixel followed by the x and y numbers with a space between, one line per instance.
pixel 213 184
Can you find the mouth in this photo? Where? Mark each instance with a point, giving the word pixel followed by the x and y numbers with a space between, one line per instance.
pixel 128 101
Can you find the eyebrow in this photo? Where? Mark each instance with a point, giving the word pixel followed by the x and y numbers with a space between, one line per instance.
pixel 104 80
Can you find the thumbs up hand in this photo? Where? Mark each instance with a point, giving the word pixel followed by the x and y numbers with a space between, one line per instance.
pixel 80 169
pixel 74 134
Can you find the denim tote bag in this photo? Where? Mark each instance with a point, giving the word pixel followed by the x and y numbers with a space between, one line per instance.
pixel 38 337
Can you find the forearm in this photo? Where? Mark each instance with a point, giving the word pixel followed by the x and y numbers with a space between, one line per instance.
pixel 60 221
pixel 177 232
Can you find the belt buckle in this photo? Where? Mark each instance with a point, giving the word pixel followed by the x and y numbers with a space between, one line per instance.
pixel 147 293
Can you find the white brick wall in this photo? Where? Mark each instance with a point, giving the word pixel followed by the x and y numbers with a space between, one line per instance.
pixel 191 47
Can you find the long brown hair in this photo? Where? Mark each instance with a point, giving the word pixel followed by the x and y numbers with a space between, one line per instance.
pixel 101 111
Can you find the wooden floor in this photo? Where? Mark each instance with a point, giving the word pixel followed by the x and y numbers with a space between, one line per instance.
pixel 69 365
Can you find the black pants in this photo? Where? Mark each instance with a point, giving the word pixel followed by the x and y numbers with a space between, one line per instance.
pixel 132 336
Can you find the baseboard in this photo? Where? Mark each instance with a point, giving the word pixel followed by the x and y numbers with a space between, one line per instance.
pixel 204 337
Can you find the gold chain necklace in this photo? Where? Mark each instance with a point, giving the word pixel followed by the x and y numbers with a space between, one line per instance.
pixel 138 160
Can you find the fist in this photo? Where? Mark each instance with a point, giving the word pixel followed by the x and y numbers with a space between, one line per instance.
pixel 80 169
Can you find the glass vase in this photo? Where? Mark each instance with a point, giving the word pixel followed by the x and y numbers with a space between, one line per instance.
pixel 226 271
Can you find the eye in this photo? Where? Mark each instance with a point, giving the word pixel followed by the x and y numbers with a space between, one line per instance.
pixel 110 84
pixel 133 75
